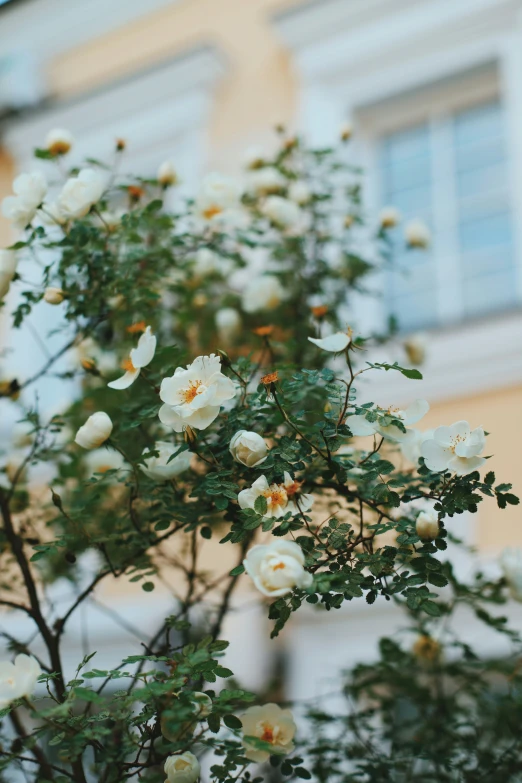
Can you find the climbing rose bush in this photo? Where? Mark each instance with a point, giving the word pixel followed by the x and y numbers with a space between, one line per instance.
pixel 210 364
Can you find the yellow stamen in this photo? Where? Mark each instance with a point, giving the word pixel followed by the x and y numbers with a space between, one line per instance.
pixel 212 212
pixel 191 392
pixel 128 366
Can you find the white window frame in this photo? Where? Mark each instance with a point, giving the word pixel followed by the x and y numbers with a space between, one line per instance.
pixel 435 106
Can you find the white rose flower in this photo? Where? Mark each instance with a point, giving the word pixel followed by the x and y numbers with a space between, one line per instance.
pixel 277 568
pixel 53 296
pixel 280 498
pixel 139 357
pixel 511 564
pixel 262 293
pixel 389 217
pixel 417 234
pixel 167 175
pixel 456 448
pixel 299 192
pixel 228 323
pixel 182 769
pixel 427 524
pixel 218 194
pixel 159 468
pixel 59 141
pixel 95 431
pixel 193 396
pixel 80 193
pixel 206 261
pixel 411 445
pixel 8 262
pixel 29 190
pixel 51 214
pixel 360 426
pixel 102 460
pixel 335 343
pixel 265 180
pixel 271 724
pixel 248 448
pixel 18 679
pixel 282 212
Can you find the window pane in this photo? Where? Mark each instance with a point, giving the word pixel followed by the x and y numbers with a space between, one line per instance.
pixel 484 219
pixel 407 185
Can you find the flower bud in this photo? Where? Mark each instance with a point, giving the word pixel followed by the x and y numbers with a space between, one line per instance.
pixel 120 145
pixel 415 348
pixel 346 131
pixel 348 221
pixel 95 431
pixel 248 448
pixel 228 322
pixel 426 649
pixel 389 217
pixel 59 141
pixel 183 768
pixel 167 175
pixel 427 525
pixel 54 296
pixel 417 234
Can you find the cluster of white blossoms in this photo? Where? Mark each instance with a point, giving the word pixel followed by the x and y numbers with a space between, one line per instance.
pixel 280 498
pixel 18 679
pixel 272 725
pixel 277 568
pixel 193 396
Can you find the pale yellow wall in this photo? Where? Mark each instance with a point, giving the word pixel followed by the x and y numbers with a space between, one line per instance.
pixel 500 413
pixel 259 90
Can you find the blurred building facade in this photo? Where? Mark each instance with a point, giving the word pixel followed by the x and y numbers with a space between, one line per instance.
pixel 433 89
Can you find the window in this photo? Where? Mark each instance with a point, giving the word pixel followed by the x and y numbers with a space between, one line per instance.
pixel 452 173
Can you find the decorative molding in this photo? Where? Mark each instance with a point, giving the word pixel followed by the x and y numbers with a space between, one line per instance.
pixel 47 28
pixel 174 99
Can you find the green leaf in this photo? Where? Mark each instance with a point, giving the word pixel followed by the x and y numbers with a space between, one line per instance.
pixel 232 722
pixel 214 723
pixel 206 532
pixel 222 671
pixel 303 773
pixel 148 587
pixel 240 569
pixel 260 505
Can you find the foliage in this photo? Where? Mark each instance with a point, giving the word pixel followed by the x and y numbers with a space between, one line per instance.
pixel 432 712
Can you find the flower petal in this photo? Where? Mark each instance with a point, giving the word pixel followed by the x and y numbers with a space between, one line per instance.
pixel 334 343
pixel 143 354
pixel 435 455
pixel 170 418
pixel 416 411
pixel 461 466
pixel 360 426
pixel 125 381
